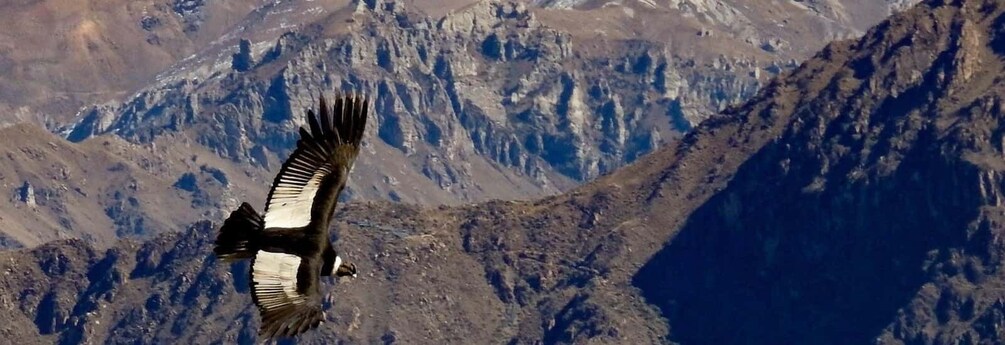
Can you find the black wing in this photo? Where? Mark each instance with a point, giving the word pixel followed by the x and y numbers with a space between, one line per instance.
pixel 285 289
pixel 310 181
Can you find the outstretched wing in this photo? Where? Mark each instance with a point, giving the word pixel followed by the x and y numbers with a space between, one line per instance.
pixel 285 289
pixel 310 181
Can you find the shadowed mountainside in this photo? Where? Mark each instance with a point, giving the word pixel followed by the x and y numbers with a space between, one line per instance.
pixel 874 215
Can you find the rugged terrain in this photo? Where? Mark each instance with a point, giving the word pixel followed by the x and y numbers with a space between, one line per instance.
pixel 495 91
pixel 474 101
pixel 58 55
pixel 774 26
pixel 855 199
pixel 106 188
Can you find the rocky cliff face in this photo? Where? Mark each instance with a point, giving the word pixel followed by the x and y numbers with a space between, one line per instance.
pixel 495 100
pixel 107 188
pixel 482 95
pixel 855 199
pixel 540 98
pixel 771 26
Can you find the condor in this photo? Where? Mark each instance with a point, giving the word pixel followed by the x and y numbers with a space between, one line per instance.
pixel 290 247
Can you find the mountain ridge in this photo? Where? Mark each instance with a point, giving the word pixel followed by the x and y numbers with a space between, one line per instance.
pixel 898 208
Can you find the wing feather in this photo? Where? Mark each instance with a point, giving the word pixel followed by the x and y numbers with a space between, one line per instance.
pixel 327 150
pixel 351 119
pixel 361 116
pixel 284 287
pixel 312 122
pixel 339 118
pixel 326 120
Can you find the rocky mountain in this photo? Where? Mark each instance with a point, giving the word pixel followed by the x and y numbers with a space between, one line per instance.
pixel 59 55
pixel 473 101
pixel 857 198
pixel 870 209
pixel 495 91
pixel 107 188
pixel 486 95
pixel 772 25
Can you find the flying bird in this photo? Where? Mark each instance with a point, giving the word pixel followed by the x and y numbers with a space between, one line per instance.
pixel 289 246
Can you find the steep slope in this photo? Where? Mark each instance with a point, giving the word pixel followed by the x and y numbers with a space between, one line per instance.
pixel 855 199
pixel 497 100
pixel 786 27
pixel 105 188
pixel 489 102
pixel 60 190
pixel 484 95
pixel 874 215
pixel 59 55
pixel 496 91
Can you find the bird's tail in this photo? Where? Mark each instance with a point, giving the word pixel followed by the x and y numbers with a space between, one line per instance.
pixel 237 235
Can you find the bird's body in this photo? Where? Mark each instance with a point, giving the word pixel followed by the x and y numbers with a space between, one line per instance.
pixel 290 246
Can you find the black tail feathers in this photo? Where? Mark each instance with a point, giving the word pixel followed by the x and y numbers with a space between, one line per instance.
pixel 238 233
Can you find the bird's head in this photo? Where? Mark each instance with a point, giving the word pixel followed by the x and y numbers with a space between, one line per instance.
pixel 346 269
pixel 342 269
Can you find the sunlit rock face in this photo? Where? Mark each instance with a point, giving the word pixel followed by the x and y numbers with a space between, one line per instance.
pixel 462 103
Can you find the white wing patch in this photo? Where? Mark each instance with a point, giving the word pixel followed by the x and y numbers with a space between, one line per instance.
pixel 275 279
pixel 290 205
pixel 338 263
